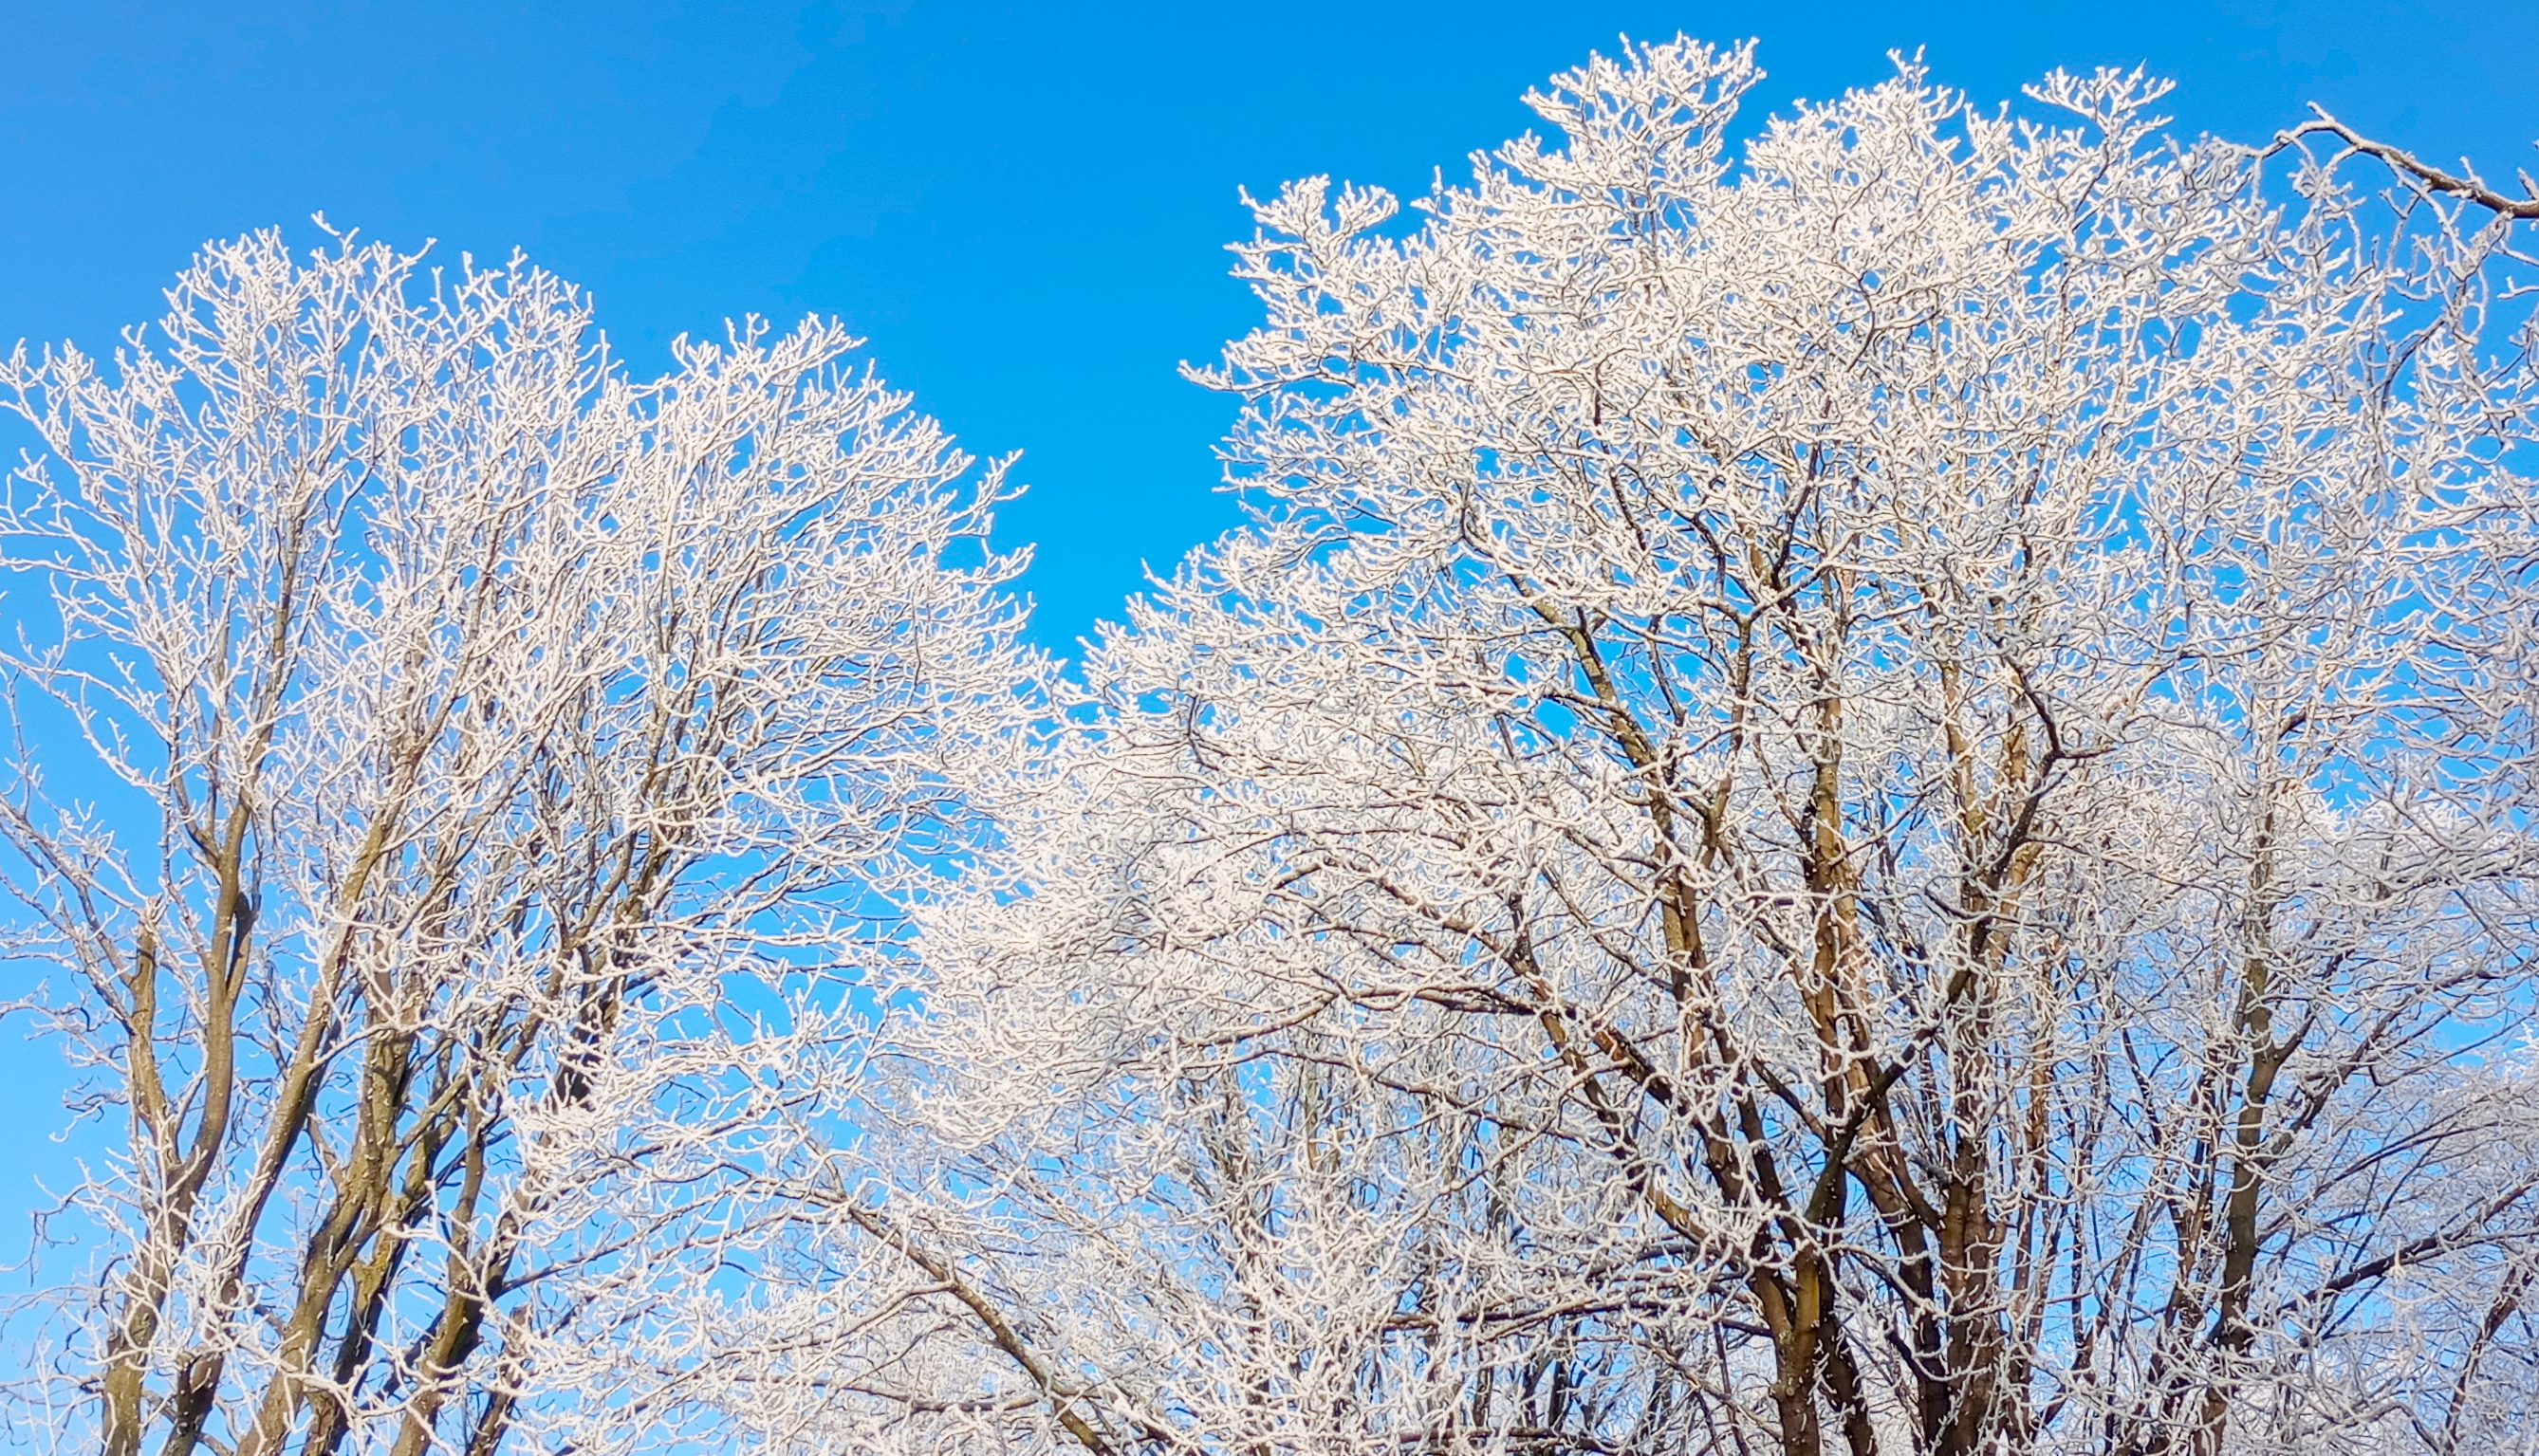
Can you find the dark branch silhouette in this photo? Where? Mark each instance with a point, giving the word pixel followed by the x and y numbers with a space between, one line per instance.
pixel 2470 188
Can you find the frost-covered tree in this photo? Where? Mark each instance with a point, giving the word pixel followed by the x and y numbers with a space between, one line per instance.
pixel 1868 792
pixel 477 770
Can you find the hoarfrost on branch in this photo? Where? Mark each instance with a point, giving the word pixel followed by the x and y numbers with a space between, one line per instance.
pixel 1868 795
pixel 497 769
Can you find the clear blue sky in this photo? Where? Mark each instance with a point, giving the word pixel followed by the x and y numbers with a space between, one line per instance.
pixel 1022 206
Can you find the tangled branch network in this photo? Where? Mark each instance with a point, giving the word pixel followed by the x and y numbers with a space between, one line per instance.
pixel 1862 785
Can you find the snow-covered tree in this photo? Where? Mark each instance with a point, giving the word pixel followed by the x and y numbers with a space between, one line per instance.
pixel 478 772
pixel 1866 792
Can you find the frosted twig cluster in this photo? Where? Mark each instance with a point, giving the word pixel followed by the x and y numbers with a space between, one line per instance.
pixel 1863 785
pixel 1872 794
pixel 504 763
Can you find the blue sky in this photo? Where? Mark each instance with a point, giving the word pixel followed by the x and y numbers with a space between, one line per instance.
pixel 1022 206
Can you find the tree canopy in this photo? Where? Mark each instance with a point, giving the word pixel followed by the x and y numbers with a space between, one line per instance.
pixel 1864 785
